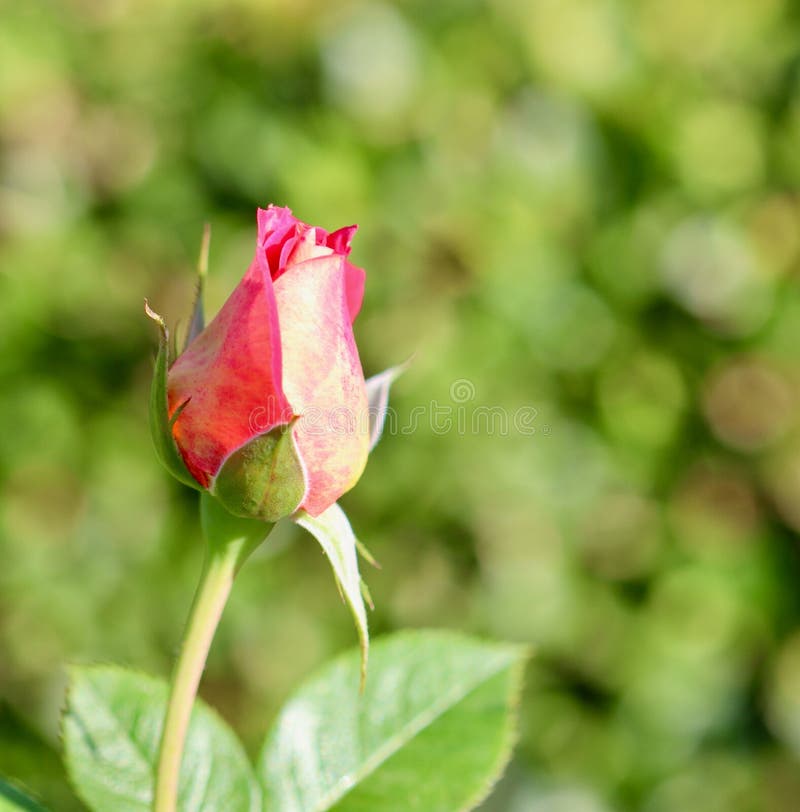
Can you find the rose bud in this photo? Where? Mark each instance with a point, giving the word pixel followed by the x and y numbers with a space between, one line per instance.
pixel 267 406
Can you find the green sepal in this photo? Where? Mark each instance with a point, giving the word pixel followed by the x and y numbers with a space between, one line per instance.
pixel 160 423
pixel 333 532
pixel 198 322
pixel 378 387
pixel 263 479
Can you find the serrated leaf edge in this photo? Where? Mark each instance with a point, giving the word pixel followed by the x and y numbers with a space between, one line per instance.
pixel 409 731
pixel 72 669
pixel 510 734
pixel 257 793
pixel 518 653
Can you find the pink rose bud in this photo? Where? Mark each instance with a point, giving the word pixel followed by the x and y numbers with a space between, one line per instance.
pixel 267 406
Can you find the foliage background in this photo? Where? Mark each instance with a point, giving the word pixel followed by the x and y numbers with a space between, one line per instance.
pixel 585 206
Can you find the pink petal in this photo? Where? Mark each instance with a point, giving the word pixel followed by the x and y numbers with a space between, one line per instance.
pixel 340 240
pixel 354 288
pixel 276 225
pixel 287 241
pixel 322 378
pixel 231 376
pixel 306 246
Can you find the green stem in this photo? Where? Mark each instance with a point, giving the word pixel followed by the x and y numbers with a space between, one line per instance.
pixel 230 541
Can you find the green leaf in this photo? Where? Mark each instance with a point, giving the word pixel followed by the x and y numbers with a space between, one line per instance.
pixel 112 728
pixel 332 530
pixel 160 424
pixel 431 733
pixel 14 800
pixel 33 761
pixel 263 479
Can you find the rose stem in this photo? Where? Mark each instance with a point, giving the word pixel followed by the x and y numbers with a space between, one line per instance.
pixel 223 559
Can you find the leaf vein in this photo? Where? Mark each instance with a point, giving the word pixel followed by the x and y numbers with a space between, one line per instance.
pixel 411 729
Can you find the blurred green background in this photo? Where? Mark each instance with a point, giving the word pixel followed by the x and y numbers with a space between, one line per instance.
pixel 584 207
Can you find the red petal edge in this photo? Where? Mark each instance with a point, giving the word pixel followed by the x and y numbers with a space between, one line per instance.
pixel 231 376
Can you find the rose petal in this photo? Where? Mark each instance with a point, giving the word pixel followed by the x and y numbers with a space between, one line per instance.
pixel 231 376
pixel 305 246
pixel 322 378
pixel 340 240
pixel 354 288
pixel 276 225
